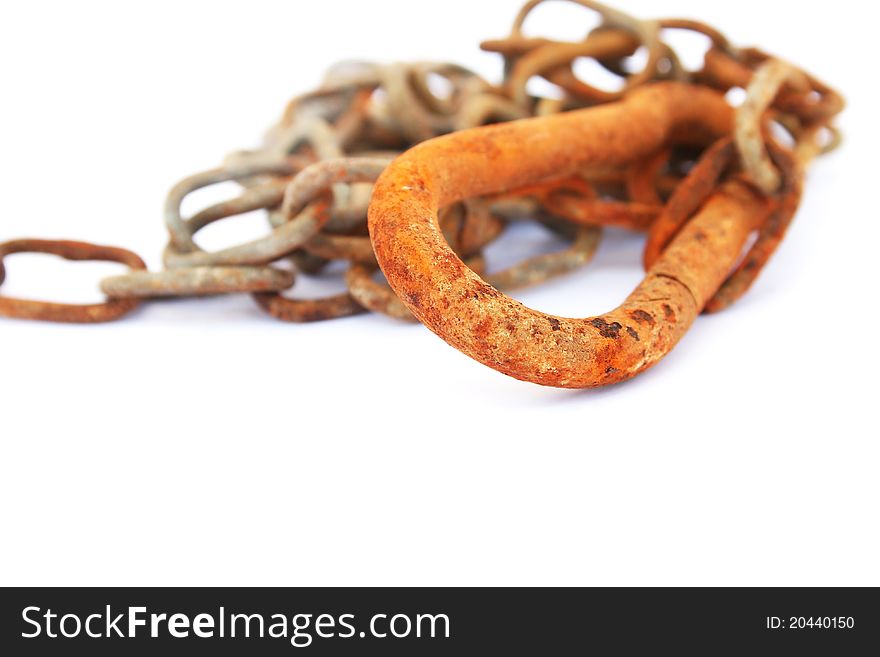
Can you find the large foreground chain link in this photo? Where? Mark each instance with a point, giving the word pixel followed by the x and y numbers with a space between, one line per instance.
pixel 315 172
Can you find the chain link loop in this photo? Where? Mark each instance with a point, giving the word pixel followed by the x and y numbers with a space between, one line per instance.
pixel 314 174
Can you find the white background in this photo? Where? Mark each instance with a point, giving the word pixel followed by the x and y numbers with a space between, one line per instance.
pixel 201 442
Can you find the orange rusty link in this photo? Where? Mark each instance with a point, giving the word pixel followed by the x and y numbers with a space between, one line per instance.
pixel 502 333
pixel 722 70
pixel 63 312
pixel 688 197
pixel 641 178
pixel 576 200
pixel 590 212
pixel 770 233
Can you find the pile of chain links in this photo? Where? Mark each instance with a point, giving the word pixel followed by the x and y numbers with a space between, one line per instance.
pixel 313 175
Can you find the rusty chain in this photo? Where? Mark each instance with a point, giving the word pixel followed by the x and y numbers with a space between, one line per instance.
pixel 315 172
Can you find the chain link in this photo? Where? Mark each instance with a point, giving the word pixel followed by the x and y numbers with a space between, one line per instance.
pixel 314 174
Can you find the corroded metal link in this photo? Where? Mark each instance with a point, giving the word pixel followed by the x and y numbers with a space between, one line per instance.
pixel 641 178
pixel 576 200
pixel 378 297
pixel 475 317
pixel 630 216
pixel 670 159
pixel 325 142
pixel 411 108
pixel 374 295
pixel 181 233
pixel 265 196
pixel 726 71
pixel 687 198
pixel 549 58
pixel 62 312
pixel 308 310
pixel 647 33
pixel 487 107
pixel 762 89
pixel 700 184
pixel 303 211
pixel 354 248
pixel 196 281
pixel 542 268
pixel 306 186
pixel 317 178
pixel 770 231
pixel 470 225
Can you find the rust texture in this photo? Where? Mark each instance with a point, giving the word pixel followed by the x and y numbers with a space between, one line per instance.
pixel 713 187
pixel 500 332
pixel 62 312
